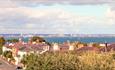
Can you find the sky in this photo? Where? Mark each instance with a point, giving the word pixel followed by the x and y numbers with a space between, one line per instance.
pixel 57 16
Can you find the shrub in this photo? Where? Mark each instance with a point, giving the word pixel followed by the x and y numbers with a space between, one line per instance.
pixel 2 42
pixel 8 54
pixel 70 61
pixel 37 39
pixel 14 40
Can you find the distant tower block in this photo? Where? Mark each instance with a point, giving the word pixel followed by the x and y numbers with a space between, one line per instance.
pixel 71 47
pixel 56 47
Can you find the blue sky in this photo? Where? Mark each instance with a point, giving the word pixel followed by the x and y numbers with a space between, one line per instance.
pixel 57 17
pixel 84 10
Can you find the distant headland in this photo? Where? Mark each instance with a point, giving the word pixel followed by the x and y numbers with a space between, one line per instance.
pixel 58 35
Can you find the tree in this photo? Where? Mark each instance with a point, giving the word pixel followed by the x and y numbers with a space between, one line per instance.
pixel 37 39
pixel 13 40
pixel 8 54
pixel 2 42
pixel 51 61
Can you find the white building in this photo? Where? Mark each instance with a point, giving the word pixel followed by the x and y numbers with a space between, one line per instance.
pixel 5 49
pixel 19 57
pixel 71 47
pixel 45 49
pixel 56 47
pixel 103 45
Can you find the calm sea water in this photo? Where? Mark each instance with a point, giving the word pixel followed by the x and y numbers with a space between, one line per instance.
pixel 81 39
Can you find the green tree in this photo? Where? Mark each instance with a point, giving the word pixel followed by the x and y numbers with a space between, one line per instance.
pixel 8 54
pixel 51 61
pixel 70 61
pixel 13 40
pixel 2 42
pixel 37 39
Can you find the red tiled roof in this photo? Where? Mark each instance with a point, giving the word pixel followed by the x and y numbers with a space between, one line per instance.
pixel 108 48
pixel 86 48
pixel 27 46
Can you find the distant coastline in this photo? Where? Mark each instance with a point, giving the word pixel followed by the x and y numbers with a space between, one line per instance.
pixel 58 35
pixel 62 39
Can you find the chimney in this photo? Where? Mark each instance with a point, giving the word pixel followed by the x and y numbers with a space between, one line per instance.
pixel 106 46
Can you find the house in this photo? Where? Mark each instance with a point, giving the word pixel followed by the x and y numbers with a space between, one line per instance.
pixel 64 47
pixel 80 45
pixel 71 47
pixel 19 49
pixel 87 48
pixel 108 47
pixel 4 48
pixel 45 49
pixel 56 47
pixel 19 56
pixel 102 45
pixel 90 44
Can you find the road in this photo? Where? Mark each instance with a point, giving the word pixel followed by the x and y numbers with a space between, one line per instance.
pixel 4 65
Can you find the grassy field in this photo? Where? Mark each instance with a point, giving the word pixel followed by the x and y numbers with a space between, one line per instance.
pixel 70 61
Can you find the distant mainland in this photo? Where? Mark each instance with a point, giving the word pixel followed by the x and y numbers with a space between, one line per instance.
pixel 57 35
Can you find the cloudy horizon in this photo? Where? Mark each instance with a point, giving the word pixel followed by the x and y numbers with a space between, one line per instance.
pixel 57 16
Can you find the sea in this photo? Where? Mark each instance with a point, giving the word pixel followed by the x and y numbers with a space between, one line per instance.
pixel 73 39
pixel 81 39
pixel 86 38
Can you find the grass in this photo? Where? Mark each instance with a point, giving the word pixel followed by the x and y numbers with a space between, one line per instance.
pixel 70 61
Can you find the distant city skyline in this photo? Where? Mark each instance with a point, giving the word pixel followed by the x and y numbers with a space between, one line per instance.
pixel 57 16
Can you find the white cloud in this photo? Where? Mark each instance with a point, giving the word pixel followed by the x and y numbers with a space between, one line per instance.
pixel 50 21
pixel 7 4
pixel 31 3
pixel 30 20
pixel 30 25
pixel 111 14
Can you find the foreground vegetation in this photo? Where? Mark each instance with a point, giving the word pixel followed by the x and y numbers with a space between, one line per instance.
pixel 70 61
pixel 2 42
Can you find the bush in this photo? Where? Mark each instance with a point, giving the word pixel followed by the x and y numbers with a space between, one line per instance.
pixel 2 42
pixel 70 61
pixel 13 40
pixel 8 54
pixel 37 39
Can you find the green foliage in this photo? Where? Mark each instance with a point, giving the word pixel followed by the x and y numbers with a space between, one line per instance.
pixel 0 50
pixel 37 39
pixel 2 42
pixel 13 40
pixel 50 62
pixel 8 54
pixel 70 61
